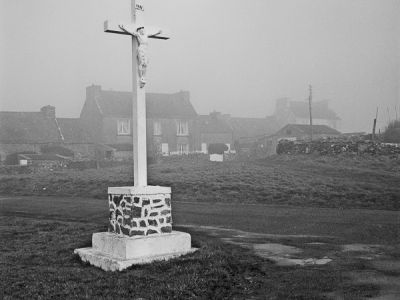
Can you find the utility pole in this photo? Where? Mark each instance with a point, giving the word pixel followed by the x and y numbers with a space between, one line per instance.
pixel 310 109
pixel 374 127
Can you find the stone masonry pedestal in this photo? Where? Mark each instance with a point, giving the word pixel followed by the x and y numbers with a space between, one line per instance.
pixel 139 230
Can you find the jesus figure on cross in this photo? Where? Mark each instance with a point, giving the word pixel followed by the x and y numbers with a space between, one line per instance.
pixel 142 39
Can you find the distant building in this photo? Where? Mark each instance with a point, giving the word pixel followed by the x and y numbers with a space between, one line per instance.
pixel 213 129
pixel 297 112
pixel 171 121
pixel 27 132
pixel 32 132
pixel 303 132
pixel 295 132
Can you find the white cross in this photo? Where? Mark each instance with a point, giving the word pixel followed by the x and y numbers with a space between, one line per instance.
pixel 139 64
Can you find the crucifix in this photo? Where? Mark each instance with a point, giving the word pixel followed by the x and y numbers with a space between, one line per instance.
pixel 140 34
pixel 140 217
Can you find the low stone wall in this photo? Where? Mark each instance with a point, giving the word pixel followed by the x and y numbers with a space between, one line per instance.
pixel 132 215
pixel 334 147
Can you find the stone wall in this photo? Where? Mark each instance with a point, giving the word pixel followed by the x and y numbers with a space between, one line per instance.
pixel 132 215
pixel 337 146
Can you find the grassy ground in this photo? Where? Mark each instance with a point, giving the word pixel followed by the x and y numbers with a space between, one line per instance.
pixel 38 236
pixel 342 182
pixel 37 263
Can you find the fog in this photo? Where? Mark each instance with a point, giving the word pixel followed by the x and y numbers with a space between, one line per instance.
pixel 233 56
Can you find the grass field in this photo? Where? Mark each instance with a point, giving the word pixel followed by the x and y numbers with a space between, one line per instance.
pixel 318 181
pixel 38 236
pixel 345 200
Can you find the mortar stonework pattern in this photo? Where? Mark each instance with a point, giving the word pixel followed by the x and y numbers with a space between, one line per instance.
pixel 132 215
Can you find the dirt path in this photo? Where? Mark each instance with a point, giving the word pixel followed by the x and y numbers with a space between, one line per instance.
pixel 350 225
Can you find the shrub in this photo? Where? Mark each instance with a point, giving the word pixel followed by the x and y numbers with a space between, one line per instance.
pixel 217 148
pixel 392 132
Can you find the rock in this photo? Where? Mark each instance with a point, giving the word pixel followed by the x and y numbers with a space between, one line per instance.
pixel 166 229
pixel 152 222
pixel 136 232
pixel 151 231
pixel 124 230
pixel 136 212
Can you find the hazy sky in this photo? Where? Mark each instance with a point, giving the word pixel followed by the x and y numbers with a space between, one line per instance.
pixel 233 56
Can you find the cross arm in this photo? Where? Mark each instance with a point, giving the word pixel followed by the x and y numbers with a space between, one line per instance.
pixel 113 27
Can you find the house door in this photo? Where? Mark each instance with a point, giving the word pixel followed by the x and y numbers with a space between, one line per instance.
pixel 204 148
pixel 164 149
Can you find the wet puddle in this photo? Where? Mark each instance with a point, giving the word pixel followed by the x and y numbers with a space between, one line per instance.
pixel 381 269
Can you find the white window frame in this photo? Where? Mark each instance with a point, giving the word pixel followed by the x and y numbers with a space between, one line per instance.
pixel 182 128
pixel 157 129
pixel 124 127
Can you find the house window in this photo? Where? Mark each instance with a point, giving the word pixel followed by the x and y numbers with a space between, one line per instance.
pixel 183 148
pixel 157 128
pixel 124 127
pixel 182 128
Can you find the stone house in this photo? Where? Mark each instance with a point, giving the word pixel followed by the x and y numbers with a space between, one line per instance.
pixel 247 131
pixel 303 132
pixel 297 112
pixel 27 132
pixel 295 132
pixel 171 122
pixel 214 128
pixel 32 132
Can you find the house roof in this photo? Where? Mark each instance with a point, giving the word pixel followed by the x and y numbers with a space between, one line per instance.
pixel 252 127
pixel 73 131
pixel 119 104
pixel 302 129
pixel 213 124
pixel 27 127
pixel 320 110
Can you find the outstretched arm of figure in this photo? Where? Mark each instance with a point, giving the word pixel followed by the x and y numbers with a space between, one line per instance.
pixel 156 33
pixel 126 30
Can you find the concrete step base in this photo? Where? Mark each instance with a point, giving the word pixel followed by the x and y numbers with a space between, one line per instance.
pixel 112 252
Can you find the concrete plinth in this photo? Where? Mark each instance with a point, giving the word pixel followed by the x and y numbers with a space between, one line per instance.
pixel 113 252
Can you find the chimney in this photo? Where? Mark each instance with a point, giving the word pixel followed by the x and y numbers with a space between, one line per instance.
pixel 93 91
pixel 215 115
pixel 185 96
pixel 48 111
